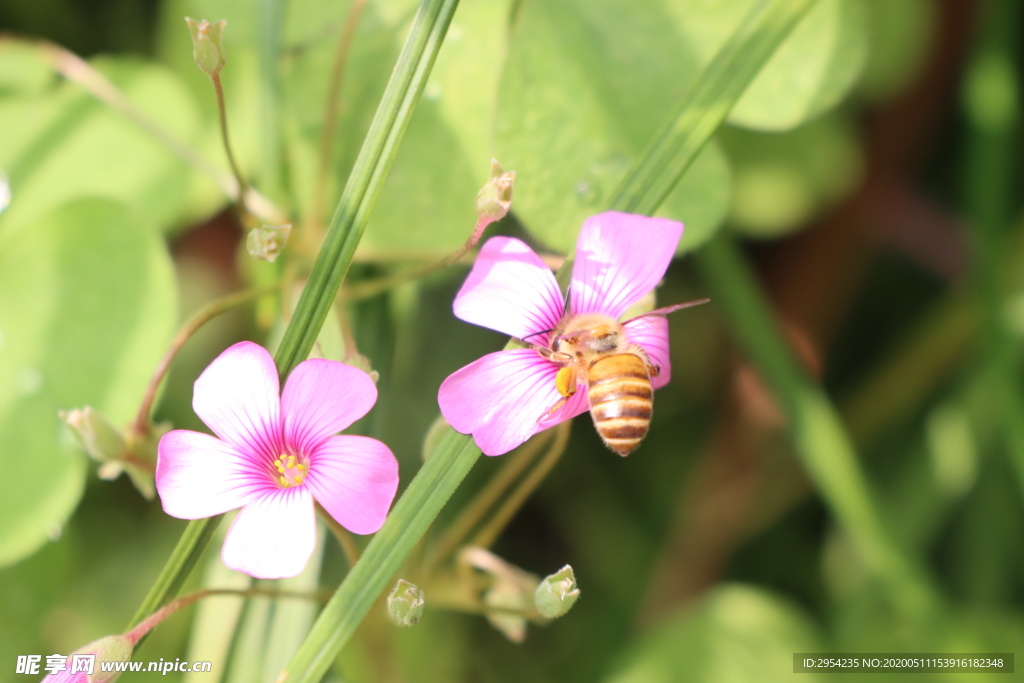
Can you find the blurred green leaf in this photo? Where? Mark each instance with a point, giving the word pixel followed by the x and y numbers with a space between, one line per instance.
pixel 586 85
pixel 89 305
pixel 60 144
pixel 427 200
pixel 738 633
pixel 901 34
pixel 781 180
pixel 810 72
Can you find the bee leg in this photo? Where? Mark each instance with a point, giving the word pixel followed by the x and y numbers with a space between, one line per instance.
pixel 651 367
pixel 565 382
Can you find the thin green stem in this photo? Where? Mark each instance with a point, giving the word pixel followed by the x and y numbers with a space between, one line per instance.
pixel 270 29
pixel 222 117
pixel 149 623
pixel 78 71
pixel 345 540
pixel 183 559
pixel 200 318
pixel 485 499
pixel 408 521
pixel 366 180
pixel 318 197
pixel 486 537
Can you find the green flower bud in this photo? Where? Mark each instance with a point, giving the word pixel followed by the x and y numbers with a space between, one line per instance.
pixel 495 198
pixel 100 439
pixel 206 47
pixel 266 242
pixel 405 604
pixel 557 593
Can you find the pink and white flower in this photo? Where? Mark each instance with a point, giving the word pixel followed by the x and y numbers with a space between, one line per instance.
pixel 505 397
pixel 277 453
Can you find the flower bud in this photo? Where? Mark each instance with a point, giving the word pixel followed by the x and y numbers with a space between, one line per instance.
pixel 557 593
pixel 405 604
pixel 266 242
pixel 495 198
pixel 206 47
pixel 100 439
pixel 77 669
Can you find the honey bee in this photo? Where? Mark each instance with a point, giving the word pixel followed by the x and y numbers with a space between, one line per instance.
pixel 596 349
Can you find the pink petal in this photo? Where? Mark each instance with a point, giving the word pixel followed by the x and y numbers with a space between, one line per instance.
pixel 501 398
pixel 198 475
pixel 273 536
pixel 651 332
pixel 237 397
pixel 322 397
pixel 355 478
pixel 510 290
pixel 619 258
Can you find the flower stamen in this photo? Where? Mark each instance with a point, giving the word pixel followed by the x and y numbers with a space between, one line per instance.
pixel 291 471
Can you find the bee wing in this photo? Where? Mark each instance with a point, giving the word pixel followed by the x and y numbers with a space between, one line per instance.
pixel 672 309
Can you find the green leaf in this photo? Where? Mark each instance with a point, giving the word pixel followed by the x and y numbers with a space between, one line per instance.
pixel 810 72
pixel 739 633
pixel 89 305
pixel 61 144
pixel 586 85
pixel 901 34
pixel 426 204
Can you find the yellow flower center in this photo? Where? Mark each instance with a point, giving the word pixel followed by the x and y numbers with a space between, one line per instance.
pixel 291 471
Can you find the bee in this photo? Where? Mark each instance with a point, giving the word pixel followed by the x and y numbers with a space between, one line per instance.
pixel 596 349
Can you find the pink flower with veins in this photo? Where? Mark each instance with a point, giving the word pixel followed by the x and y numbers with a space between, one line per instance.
pixel 506 397
pixel 276 454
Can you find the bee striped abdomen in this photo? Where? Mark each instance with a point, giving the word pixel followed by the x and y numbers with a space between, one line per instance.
pixel 621 400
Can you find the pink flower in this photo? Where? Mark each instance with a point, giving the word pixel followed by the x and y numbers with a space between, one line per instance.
pixel 506 397
pixel 275 455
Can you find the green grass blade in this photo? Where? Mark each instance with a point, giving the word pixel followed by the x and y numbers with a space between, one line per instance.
pixel 818 434
pixel 364 185
pixel 366 180
pixel 433 485
pixel 706 105
pixel 723 83
pixel 185 556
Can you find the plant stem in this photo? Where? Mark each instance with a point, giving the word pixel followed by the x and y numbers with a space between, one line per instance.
pixel 200 318
pixel 366 180
pixel 348 545
pixel 318 197
pixel 150 622
pixel 222 115
pixel 486 537
pixel 485 499
pixel 78 71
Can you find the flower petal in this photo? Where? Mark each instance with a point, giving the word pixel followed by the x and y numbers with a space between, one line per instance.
pixel 510 290
pixel 199 475
pixel 651 332
pixel 237 397
pixel 322 397
pixel 355 478
pixel 501 399
pixel 273 536
pixel 619 258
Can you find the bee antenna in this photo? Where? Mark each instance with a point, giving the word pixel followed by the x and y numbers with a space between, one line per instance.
pixel 537 334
